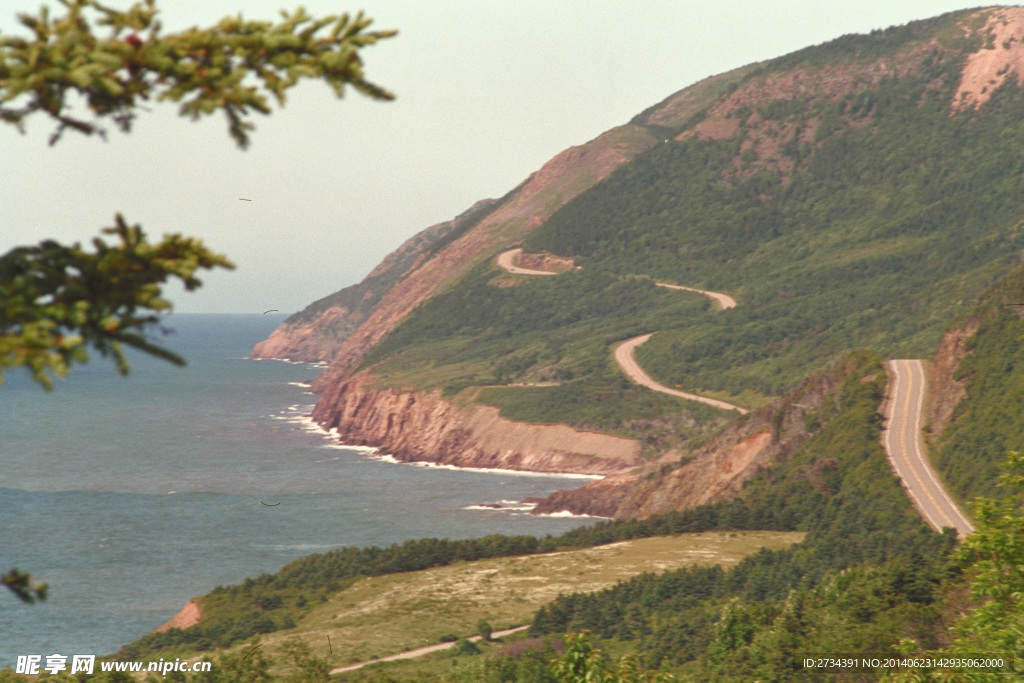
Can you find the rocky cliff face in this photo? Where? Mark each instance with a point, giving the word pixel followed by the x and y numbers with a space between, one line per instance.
pixel 421 427
pixel 945 391
pixel 715 472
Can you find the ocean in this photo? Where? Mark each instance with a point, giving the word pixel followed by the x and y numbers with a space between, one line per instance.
pixel 128 496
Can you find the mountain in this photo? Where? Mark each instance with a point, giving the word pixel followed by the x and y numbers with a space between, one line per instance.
pixel 314 334
pixel 859 194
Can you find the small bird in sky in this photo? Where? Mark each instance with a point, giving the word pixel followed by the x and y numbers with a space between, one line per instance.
pixel 272 310
pixel 244 200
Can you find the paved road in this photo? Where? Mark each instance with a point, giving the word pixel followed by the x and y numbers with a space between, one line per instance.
pixel 420 651
pixel 902 440
pixel 507 261
pixel 624 357
pixel 624 352
pixel 724 301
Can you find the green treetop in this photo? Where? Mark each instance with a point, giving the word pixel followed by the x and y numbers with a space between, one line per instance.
pixel 56 300
pixel 233 66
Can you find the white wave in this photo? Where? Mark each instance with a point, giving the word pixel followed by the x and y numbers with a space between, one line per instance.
pixel 487 470
pixel 289 361
pixel 516 505
pixel 504 506
pixel 566 513
pixel 372 450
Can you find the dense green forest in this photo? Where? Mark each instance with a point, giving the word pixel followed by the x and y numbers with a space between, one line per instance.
pixel 987 423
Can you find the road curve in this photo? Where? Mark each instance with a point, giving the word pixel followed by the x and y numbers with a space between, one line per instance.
pixel 420 651
pixel 507 261
pixel 624 357
pixel 724 301
pixel 901 437
pixel 624 351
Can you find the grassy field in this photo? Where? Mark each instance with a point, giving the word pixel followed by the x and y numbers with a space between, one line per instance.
pixel 384 615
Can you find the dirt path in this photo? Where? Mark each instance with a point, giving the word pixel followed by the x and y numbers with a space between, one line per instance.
pixel 420 651
pixel 902 440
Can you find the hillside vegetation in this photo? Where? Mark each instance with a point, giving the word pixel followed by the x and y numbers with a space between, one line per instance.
pixel 986 424
pixel 833 193
pixel 865 547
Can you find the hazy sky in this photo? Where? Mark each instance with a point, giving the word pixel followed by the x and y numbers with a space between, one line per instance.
pixel 487 92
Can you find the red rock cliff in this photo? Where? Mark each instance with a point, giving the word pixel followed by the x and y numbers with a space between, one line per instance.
pixel 422 427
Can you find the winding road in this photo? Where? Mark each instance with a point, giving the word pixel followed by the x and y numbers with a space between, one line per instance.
pixel 624 357
pixel 624 351
pixel 507 261
pixel 724 301
pixel 901 437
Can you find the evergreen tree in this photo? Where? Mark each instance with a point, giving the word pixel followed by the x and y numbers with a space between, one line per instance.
pixel 56 301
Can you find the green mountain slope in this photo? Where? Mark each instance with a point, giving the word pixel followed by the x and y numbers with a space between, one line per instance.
pixel 987 423
pixel 837 194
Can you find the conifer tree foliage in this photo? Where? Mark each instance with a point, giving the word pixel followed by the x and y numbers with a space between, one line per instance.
pixel 57 301
pixel 232 66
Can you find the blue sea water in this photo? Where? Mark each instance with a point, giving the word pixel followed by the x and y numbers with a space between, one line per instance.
pixel 128 496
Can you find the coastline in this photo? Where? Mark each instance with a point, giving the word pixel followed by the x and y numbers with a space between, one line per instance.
pixel 308 423
pixel 423 427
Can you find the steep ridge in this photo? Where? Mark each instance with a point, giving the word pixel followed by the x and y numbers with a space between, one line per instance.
pixel 567 174
pixel 528 206
pixel 314 334
pixel 836 191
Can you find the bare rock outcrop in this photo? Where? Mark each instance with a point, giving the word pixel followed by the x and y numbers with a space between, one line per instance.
pixel 422 427
pixel 1000 57
pixel 945 391
pixel 189 616
pixel 714 472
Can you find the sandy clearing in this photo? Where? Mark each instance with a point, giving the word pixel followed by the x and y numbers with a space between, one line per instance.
pixel 189 615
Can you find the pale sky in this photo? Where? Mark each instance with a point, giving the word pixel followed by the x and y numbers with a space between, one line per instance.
pixel 488 91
